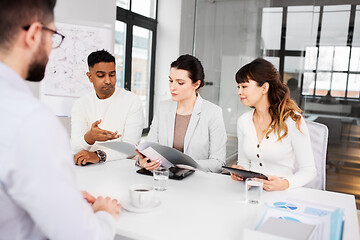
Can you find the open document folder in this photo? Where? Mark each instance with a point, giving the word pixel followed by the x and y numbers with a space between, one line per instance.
pixel 312 221
pixel 168 156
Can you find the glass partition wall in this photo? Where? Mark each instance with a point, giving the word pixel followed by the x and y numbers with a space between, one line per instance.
pixel 316 47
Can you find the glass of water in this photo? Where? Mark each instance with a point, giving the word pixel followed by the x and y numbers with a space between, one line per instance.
pixel 253 190
pixel 161 176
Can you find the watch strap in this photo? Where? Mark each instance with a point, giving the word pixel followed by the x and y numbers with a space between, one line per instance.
pixel 101 155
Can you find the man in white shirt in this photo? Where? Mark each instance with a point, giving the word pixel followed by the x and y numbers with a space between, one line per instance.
pixel 107 113
pixel 38 195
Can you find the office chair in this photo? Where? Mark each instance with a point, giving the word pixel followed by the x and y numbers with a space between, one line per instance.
pixel 319 140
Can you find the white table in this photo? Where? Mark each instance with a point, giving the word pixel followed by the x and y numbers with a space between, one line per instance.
pixel 202 206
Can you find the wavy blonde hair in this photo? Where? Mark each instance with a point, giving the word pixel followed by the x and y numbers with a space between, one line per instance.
pixel 281 105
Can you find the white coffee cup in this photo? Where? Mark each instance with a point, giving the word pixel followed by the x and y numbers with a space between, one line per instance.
pixel 141 195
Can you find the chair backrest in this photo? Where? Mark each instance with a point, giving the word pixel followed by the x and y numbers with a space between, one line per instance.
pixel 319 140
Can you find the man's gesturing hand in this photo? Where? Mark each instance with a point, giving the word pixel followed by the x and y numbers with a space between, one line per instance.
pixel 98 134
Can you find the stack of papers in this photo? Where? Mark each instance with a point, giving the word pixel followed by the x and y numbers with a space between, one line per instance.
pixel 302 220
pixel 288 229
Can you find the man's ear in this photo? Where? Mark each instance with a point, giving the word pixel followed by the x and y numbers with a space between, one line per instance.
pixel 265 87
pixel 33 36
pixel 88 74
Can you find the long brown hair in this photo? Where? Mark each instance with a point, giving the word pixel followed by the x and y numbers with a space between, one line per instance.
pixel 281 106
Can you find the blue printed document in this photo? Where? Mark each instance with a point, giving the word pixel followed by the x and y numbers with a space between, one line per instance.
pixel 328 220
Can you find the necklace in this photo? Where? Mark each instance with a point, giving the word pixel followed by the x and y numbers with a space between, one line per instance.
pixel 260 127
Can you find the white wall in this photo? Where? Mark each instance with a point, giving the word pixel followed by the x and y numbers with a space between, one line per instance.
pixel 93 11
pixel 167 45
pixel 188 11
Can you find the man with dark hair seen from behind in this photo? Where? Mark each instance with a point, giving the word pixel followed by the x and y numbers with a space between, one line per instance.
pixel 107 113
pixel 293 85
pixel 38 195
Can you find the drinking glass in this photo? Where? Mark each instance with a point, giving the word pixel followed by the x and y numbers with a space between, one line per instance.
pixel 161 176
pixel 253 190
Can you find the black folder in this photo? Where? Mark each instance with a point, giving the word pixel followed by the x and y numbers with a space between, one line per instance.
pixel 174 172
pixel 245 174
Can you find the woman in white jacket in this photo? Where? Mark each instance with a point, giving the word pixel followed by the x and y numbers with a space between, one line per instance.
pixel 273 137
pixel 187 122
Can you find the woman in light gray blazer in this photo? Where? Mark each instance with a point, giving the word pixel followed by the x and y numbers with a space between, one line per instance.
pixel 188 122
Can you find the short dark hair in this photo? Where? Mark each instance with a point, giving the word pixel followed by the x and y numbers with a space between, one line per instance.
pixel 16 14
pixel 193 66
pixel 292 83
pixel 100 56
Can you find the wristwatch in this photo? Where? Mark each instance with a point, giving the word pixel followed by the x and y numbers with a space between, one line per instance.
pixel 101 155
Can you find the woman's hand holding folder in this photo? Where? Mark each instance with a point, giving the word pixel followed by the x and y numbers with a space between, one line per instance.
pixel 148 164
pixel 235 176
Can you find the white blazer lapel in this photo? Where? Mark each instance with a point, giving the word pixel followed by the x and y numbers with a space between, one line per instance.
pixel 195 116
pixel 171 120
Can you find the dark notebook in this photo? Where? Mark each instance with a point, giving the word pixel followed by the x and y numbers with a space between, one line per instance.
pixel 174 172
pixel 245 174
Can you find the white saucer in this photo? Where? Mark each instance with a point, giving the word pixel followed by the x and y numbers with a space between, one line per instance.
pixel 127 205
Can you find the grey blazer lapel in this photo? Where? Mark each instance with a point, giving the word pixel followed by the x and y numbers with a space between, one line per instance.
pixel 171 120
pixel 195 117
